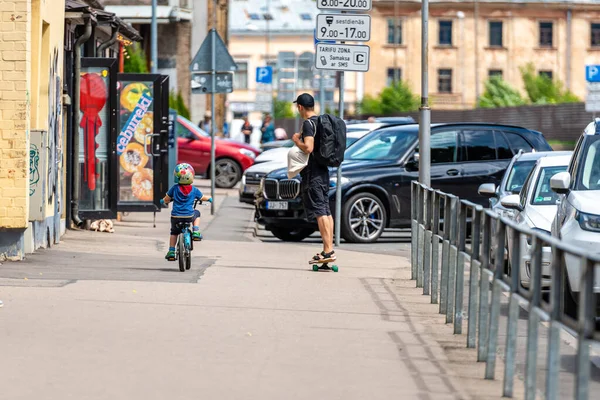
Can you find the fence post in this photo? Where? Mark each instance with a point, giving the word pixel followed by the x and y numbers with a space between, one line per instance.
pixel 513 316
pixel 460 268
pixel 585 325
pixel 435 250
pixel 413 229
pixel 484 290
pixel 558 282
pixel 428 236
pixel 533 323
pixel 473 275
pixel 445 254
pixel 453 258
pixel 490 367
pixel 421 238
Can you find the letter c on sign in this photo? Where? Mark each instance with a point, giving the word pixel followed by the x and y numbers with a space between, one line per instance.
pixel 360 58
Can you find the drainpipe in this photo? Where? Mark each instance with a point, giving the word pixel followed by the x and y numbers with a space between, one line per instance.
pixel 109 42
pixel 76 116
pixel 568 55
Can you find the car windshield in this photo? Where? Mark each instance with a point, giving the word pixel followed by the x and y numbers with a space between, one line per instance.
pixel 350 141
pixel 590 176
pixel 386 144
pixel 543 194
pixel 517 176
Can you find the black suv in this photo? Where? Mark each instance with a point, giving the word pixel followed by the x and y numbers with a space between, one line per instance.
pixel 378 169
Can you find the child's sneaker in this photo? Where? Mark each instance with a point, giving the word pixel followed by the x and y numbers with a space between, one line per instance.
pixel 197 236
pixel 170 255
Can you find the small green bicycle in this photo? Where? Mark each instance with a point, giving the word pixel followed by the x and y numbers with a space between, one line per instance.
pixel 185 244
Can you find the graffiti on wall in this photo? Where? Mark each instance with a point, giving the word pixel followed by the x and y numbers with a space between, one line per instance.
pixel 34 172
pixel 55 155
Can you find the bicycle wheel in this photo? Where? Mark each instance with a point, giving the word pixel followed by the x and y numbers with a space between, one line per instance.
pixel 181 252
pixel 188 250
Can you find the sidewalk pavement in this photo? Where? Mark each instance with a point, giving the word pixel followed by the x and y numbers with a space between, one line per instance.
pixel 105 316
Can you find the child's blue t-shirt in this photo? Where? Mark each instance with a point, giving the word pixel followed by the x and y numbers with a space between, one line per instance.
pixel 183 204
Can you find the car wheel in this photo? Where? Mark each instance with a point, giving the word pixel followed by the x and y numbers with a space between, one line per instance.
pixel 291 235
pixel 227 173
pixel 363 219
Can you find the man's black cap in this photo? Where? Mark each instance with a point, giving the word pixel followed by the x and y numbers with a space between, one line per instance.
pixel 305 100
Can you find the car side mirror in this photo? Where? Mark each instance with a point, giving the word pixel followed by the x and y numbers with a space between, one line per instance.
pixel 512 202
pixel 413 163
pixel 487 189
pixel 561 182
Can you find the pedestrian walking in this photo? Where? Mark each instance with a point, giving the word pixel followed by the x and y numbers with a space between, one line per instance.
pixel 267 130
pixel 247 129
pixel 205 124
pixel 315 178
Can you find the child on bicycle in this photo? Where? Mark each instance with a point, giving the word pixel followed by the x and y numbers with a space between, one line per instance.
pixel 183 195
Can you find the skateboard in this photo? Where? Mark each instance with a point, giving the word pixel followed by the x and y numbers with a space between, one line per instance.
pixel 323 266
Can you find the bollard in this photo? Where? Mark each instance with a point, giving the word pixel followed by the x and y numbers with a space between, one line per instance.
pixel 460 268
pixel 558 283
pixel 453 256
pixel 533 322
pixel 413 228
pixel 445 255
pixel 435 250
pixel 513 318
pixel 484 290
pixel 473 275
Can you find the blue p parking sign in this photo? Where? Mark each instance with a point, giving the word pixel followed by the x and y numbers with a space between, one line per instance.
pixel 592 73
pixel 264 75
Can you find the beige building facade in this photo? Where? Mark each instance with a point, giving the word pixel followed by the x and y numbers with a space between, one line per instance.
pixel 470 41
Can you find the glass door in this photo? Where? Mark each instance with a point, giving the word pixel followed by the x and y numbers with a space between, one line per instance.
pixel 97 132
pixel 141 144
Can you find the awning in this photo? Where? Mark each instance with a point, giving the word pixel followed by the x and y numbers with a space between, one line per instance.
pixel 75 11
pixel 143 14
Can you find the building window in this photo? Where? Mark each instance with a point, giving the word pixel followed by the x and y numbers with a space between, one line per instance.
pixel 547 74
pixel 495 72
pixel 496 34
pixel 394 31
pixel 394 75
pixel 546 34
pixel 595 35
pixel 240 77
pixel 445 38
pixel 444 81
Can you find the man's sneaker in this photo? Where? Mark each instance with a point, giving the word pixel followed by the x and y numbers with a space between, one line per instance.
pixel 170 256
pixel 197 236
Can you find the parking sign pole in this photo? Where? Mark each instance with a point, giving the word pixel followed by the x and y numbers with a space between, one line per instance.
pixel 424 110
pixel 338 186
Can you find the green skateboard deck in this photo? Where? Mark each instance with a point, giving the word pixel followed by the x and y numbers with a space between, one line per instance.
pixel 323 266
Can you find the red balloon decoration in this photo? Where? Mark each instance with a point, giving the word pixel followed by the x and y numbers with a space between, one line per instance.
pixel 93 99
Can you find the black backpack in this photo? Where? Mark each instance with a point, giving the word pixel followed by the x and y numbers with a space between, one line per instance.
pixel 330 141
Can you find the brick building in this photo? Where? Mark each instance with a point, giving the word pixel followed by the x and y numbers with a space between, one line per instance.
pixel 472 40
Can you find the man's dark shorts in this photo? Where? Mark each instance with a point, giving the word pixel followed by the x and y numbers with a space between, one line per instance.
pixel 174 220
pixel 316 199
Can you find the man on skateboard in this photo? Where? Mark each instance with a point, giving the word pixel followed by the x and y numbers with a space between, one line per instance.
pixel 315 179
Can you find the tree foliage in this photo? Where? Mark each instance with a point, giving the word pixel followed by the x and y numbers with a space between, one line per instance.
pixel 498 93
pixel 177 103
pixel 393 99
pixel 135 60
pixel 542 89
pixel 282 109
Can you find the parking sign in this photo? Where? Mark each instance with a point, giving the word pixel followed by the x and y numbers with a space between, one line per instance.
pixel 264 75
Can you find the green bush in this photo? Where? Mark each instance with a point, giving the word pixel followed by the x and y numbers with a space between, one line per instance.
pixel 282 109
pixel 135 61
pixel 176 103
pixel 393 99
pixel 498 93
pixel 544 90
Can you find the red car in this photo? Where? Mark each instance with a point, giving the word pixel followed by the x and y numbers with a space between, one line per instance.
pixel 193 147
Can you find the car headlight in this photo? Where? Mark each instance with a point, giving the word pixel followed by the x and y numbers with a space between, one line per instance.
pixel 588 222
pixel 244 179
pixel 248 153
pixel 538 230
pixel 333 181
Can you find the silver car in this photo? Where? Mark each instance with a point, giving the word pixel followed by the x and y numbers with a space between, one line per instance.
pixel 535 208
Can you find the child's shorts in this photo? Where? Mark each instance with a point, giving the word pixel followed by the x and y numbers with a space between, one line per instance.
pixel 175 230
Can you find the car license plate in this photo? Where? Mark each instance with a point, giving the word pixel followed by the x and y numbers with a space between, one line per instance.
pixel 250 189
pixel 277 205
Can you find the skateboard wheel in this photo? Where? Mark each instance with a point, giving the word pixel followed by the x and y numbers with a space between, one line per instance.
pixel 315 267
pixel 334 268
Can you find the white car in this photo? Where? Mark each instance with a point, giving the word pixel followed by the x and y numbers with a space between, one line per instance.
pixel 577 221
pixel 535 208
pixel 273 159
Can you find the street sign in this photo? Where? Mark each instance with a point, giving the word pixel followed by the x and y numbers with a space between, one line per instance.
pixel 202 59
pixel 264 75
pixel 592 73
pixel 328 83
pixel 321 41
pixel 345 5
pixel 342 57
pixel 202 83
pixel 344 27
pixel 592 100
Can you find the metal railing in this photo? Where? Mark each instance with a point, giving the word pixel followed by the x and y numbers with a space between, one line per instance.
pixel 443 219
